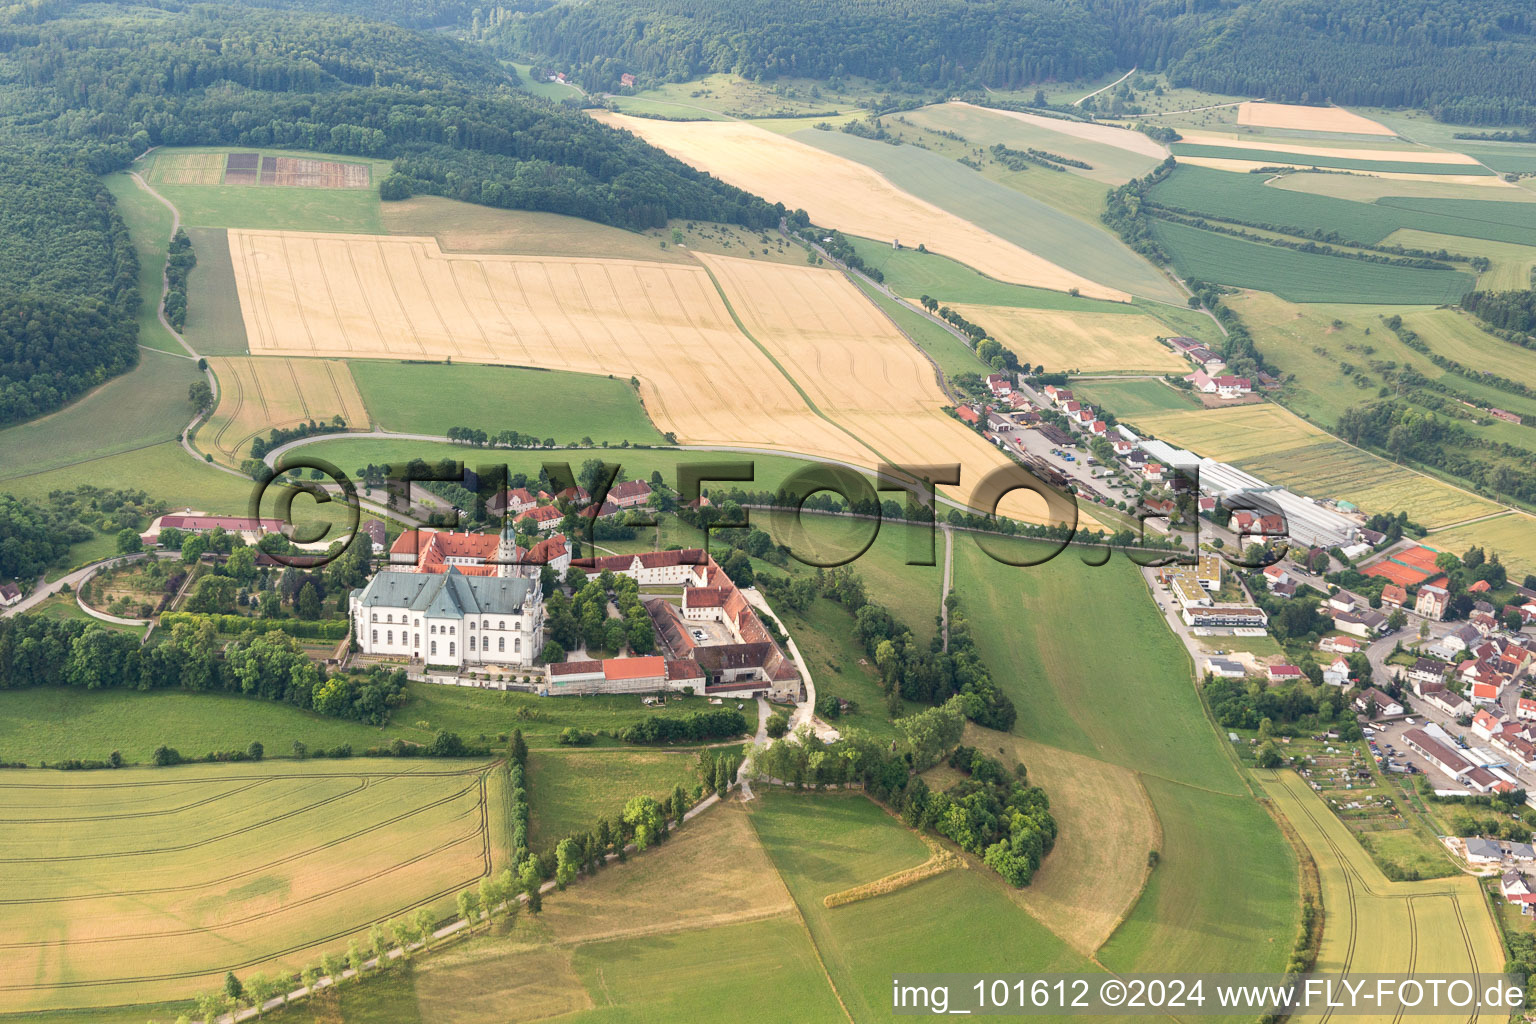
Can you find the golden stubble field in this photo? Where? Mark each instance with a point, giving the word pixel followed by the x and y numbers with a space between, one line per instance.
pixel 818 370
pixel 846 195
pixel 1089 342
pixel 857 367
pixel 150 883
pixel 257 394
pixel 1308 119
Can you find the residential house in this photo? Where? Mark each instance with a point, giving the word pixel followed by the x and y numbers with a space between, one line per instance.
pixel 1286 590
pixel 1237 616
pixel 1275 574
pixel 1337 672
pixel 377 535
pixel 1248 523
pixel 513 502
pixel 1484 693
pixel 1098 428
pixel 999 384
pixel 1385 705
pixel 626 80
pixel 1425 672
pixel 1482 618
pixel 1233 387
pixel 1432 602
pixel 1449 701
pixel 1364 623
pixel 1525 709
pixel 1515 889
pixel 1485 724
pixel 1340 644
pixel 1153 471
pixel 630 493
pixel 1285 674
pixel 1393 596
pixel 10 594
pixel 1462 638
pixel 544 517
pixel 1344 601
pixel 967 414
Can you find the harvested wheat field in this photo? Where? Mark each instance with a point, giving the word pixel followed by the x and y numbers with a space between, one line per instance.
pixel 1086 342
pixel 1106 827
pixel 1307 119
pixel 846 195
pixel 857 368
pixel 187 168
pixel 258 394
pixel 150 883
pixel 373 297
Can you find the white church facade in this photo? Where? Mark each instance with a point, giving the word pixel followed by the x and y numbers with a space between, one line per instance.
pixel 450 618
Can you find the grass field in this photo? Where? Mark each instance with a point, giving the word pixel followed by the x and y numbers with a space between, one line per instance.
pixel 1284 449
pixel 1265 199
pixel 1078 342
pixel 1067 894
pixel 1513 536
pixel 1218 851
pixel 428 399
pixel 1131 399
pixel 54 724
pixel 257 395
pixel 149 225
pixel 697 923
pixel 569 790
pixel 1371 189
pixel 1458 335
pixel 154 882
pixel 824 844
pixel 544 89
pixel 1512 265
pixel 144 407
pixel 912 274
pixel 216 205
pixel 1327 147
pixel 1116 155
pixel 1082 248
pixel 840 192
pixel 214 325
pixel 1303 277
pixel 953 355
pixel 1378 926
pixel 1082 642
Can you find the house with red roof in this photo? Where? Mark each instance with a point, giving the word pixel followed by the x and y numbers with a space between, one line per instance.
pixel 968 414
pixel 1285 674
pixel 543 517
pixel 630 493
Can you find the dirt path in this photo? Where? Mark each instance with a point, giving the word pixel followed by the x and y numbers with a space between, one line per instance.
pixel 1079 101
pixel 165 290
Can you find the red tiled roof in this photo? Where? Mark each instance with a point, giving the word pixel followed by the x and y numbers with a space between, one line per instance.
pixel 635 668
pixel 231 524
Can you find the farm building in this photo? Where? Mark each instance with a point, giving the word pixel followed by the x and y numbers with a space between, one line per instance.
pixel 250 530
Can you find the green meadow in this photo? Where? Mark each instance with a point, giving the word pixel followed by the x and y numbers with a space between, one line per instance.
pixel 1300 276
pixel 1077 245
pixel 416 398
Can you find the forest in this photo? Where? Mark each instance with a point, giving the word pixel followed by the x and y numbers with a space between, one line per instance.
pixel 1472 61
pixel 68 287
pixel 96 85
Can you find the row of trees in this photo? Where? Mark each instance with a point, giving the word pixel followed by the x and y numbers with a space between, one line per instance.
pixel 270 666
